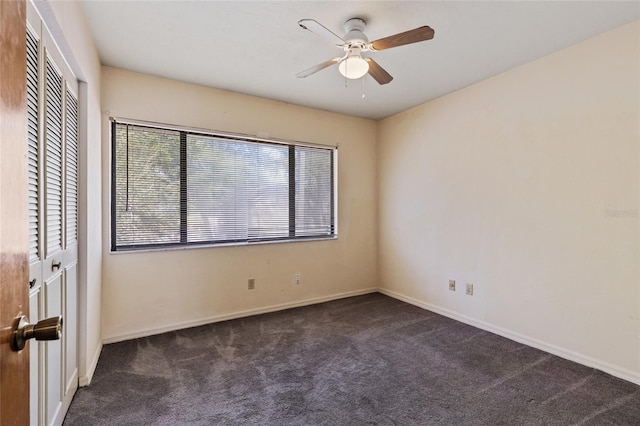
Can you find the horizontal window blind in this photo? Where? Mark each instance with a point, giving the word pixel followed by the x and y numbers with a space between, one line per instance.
pixel 177 188
pixel 147 186
pixel 314 191
pixel 236 191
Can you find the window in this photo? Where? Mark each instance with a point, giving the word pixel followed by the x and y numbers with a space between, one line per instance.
pixel 173 187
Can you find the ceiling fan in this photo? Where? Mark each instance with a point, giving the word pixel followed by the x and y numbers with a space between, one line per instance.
pixel 352 64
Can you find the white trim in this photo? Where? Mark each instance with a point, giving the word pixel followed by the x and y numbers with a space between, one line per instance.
pixel 86 380
pixel 50 21
pixel 180 246
pixel 233 315
pixel 225 135
pixel 616 371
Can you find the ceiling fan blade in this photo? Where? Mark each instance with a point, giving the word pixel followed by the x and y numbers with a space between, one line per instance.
pixel 317 28
pixel 377 72
pixel 317 68
pixel 407 37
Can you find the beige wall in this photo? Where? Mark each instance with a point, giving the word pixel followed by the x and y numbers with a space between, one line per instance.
pixel 526 185
pixel 68 26
pixel 150 292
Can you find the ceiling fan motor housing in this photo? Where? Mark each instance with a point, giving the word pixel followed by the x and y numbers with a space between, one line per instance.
pixel 354 36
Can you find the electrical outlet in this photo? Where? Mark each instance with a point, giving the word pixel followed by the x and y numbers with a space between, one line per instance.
pixel 297 279
pixel 470 289
pixel 252 283
pixel 452 285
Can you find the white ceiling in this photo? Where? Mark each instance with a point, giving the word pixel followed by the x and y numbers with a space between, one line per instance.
pixel 256 47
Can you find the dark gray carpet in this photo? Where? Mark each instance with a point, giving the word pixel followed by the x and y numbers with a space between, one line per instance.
pixel 363 360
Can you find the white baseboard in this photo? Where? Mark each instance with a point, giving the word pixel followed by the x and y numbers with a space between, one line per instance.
pixel 91 368
pixel 622 373
pixel 233 315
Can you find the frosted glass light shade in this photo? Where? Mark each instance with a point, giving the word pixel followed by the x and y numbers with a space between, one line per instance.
pixel 353 67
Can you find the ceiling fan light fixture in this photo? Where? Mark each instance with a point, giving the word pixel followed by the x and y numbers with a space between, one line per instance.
pixel 353 67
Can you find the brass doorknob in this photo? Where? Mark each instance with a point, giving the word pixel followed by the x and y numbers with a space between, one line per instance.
pixel 46 329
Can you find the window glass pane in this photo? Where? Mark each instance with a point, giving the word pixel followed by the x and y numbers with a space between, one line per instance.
pixel 147 186
pixel 269 208
pixel 235 190
pixel 314 195
pixel 176 187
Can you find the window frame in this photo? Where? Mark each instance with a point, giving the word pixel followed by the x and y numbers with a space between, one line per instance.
pixel 184 243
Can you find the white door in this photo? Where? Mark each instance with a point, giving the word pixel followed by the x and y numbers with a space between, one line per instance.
pixel 52 104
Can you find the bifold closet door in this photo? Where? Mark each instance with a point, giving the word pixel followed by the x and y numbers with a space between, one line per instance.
pixel 53 216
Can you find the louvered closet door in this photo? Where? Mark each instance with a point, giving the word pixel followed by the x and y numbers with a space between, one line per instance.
pixel 53 220
pixel 36 297
pixel 70 340
pixel 53 270
pixel 61 248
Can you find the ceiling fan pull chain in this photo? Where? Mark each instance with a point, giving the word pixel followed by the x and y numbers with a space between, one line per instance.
pixel 346 80
pixel 363 79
